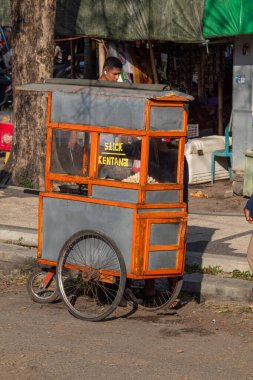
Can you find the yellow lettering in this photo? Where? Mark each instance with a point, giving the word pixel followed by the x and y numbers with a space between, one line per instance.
pixel 113 161
pixel 114 147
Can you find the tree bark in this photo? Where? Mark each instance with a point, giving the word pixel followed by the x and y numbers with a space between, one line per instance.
pixel 33 53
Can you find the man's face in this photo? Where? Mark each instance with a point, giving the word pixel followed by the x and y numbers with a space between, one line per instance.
pixel 112 74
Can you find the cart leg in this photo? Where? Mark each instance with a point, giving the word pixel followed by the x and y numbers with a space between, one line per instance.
pixel 48 278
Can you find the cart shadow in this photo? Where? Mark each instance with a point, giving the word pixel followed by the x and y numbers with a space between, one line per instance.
pixel 122 312
pixel 201 243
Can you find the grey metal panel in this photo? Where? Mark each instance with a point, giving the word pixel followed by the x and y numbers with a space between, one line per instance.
pixel 166 118
pixel 162 259
pixel 169 196
pixel 62 218
pixel 242 122
pixel 242 131
pixel 242 75
pixel 164 234
pixel 115 194
pixel 95 109
pixel 242 97
pixel 155 210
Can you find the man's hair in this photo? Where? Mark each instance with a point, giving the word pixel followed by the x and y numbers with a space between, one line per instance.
pixel 111 63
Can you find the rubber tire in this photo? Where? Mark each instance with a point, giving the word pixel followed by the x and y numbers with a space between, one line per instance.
pixel 120 291
pixel 34 296
pixel 173 297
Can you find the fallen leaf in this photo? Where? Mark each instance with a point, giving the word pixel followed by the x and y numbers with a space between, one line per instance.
pixel 199 194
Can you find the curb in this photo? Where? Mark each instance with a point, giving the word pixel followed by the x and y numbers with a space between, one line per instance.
pixel 208 286
pixel 18 235
pixel 15 259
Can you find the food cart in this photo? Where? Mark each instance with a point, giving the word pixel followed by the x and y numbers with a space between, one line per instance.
pixel 112 216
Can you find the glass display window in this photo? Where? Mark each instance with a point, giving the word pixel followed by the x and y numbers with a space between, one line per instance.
pixel 119 157
pixel 70 153
pixel 163 160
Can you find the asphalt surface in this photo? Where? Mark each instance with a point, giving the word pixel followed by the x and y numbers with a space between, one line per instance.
pixel 200 341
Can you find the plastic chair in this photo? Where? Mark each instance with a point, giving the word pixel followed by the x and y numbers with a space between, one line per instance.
pixel 223 153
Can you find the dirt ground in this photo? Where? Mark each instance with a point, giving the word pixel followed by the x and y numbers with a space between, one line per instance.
pixel 199 341
pixel 220 198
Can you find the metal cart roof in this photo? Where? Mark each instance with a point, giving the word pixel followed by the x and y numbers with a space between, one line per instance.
pixel 105 88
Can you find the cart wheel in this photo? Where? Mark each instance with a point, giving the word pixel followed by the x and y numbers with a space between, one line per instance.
pixel 91 275
pixel 41 286
pixel 166 291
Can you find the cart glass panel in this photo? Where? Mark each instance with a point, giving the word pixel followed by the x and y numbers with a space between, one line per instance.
pixel 163 160
pixel 70 152
pixel 119 157
pixel 166 118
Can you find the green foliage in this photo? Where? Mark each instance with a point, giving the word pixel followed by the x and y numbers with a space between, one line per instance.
pixel 25 182
pixel 216 269
pixel 244 275
pixel 195 268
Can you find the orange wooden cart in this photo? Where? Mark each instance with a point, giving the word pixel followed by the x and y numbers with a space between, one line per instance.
pixel 113 218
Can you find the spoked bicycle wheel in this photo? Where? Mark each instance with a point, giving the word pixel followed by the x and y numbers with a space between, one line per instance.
pixel 41 286
pixel 164 291
pixel 91 275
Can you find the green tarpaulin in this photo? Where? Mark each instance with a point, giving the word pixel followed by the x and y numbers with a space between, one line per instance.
pixel 171 20
pixel 228 18
pixel 5 13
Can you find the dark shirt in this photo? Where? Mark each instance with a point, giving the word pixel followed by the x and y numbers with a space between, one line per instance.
pixel 249 206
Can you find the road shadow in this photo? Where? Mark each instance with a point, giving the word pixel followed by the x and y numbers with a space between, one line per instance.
pixel 200 242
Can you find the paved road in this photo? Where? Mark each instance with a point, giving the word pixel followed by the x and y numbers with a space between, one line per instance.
pixel 219 234
pixel 46 342
pixel 227 234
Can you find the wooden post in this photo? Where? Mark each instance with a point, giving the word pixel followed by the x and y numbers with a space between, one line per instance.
pixel 73 58
pixel 152 59
pixel 201 75
pixel 220 109
pixel 101 57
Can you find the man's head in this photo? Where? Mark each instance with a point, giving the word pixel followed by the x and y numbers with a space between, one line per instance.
pixel 111 69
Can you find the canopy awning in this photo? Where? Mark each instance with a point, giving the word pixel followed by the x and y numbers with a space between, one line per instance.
pixel 169 20
pixel 166 20
pixel 228 18
pixel 5 13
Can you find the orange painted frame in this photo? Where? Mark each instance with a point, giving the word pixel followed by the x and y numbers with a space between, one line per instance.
pixel 141 222
pixel 146 134
pixel 180 247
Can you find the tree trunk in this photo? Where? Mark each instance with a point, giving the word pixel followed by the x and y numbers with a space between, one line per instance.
pixel 33 53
